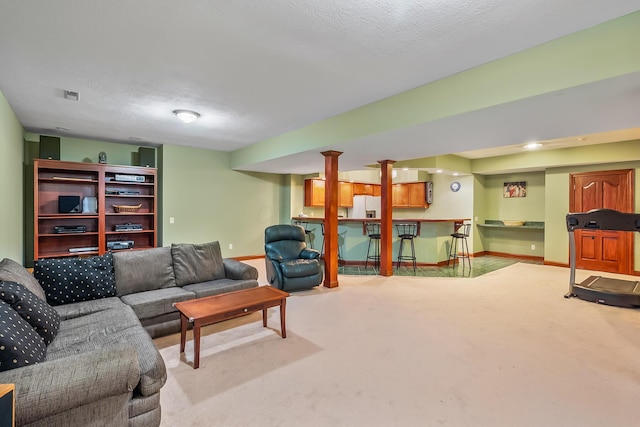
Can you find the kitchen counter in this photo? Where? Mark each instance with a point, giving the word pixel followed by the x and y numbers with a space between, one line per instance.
pixel 363 221
pixel 431 245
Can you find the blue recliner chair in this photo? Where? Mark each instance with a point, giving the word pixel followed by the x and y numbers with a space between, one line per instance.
pixel 290 265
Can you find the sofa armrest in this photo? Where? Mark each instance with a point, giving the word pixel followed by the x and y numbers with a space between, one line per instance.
pixel 309 254
pixel 56 386
pixel 237 270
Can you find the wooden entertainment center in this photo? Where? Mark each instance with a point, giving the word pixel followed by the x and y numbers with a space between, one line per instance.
pixel 60 231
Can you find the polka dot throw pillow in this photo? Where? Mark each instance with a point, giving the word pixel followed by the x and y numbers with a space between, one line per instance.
pixel 40 315
pixel 68 280
pixel 20 345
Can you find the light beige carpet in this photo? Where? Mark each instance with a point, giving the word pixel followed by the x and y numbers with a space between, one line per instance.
pixel 503 349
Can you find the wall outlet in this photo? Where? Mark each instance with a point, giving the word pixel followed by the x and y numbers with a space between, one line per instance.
pixel 533 247
pixel 230 245
pixel 171 220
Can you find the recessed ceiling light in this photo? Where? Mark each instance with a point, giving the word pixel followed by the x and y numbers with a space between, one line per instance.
pixel 533 145
pixel 405 169
pixel 186 116
pixel 439 171
pixel 456 174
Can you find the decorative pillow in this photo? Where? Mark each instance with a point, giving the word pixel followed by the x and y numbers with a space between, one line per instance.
pixel 40 315
pixel 67 280
pixel 20 345
pixel 11 271
pixel 197 263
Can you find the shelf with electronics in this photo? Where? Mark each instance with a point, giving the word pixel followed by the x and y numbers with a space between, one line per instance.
pixel 88 209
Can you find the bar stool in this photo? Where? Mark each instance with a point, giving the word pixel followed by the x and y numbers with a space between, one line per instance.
pixel 373 231
pixel 340 260
pixel 461 234
pixel 407 232
pixel 307 231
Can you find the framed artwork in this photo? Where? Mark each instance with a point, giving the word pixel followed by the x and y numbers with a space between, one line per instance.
pixel 515 189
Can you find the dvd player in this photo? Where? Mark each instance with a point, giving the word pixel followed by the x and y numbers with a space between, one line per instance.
pixel 129 178
pixel 62 229
pixel 120 244
pixel 127 227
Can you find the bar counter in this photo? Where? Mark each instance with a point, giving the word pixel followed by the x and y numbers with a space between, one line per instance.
pixel 431 244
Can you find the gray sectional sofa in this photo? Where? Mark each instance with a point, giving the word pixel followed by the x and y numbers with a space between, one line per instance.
pixel 102 367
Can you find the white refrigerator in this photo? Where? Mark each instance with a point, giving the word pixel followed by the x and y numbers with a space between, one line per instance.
pixel 363 205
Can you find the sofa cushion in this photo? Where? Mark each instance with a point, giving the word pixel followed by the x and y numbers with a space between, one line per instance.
pixel 82 308
pixel 20 344
pixel 153 303
pixel 11 271
pixel 105 330
pixel 68 280
pixel 40 315
pixel 138 271
pixel 220 286
pixel 193 263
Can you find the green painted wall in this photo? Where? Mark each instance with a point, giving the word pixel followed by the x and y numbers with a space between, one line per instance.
pixel 529 208
pixel 209 201
pixel 12 188
pixel 86 150
pixel 479 211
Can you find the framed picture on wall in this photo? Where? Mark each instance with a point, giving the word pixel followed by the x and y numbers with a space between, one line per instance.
pixel 514 189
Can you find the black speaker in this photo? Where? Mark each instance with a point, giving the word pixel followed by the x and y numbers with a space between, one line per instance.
pixel 49 147
pixel 69 204
pixel 147 157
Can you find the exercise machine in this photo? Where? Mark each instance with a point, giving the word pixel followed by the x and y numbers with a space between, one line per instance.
pixel 603 290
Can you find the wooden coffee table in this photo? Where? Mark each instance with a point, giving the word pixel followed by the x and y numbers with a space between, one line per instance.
pixel 205 311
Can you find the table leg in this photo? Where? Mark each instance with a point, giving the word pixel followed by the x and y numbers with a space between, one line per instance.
pixel 183 331
pixel 196 344
pixel 283 307
pixel 264 317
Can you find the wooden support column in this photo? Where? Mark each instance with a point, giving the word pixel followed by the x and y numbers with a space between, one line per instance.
pixel 331 218
pixel 386 218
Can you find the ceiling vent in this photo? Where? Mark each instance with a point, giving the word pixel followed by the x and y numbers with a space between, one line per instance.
pixel 71 95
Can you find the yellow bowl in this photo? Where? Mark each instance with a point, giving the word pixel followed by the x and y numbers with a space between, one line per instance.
pixel 513 223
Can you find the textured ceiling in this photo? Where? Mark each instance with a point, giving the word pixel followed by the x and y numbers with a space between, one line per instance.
pixel 258 69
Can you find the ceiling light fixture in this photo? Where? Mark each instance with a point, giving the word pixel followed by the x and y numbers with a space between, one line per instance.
pixel 533 145
pixel 186 116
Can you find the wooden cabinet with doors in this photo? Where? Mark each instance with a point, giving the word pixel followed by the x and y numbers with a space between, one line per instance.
pixel 74 210
pixel 362 189
pixel 314 191
pixel 603 250
pixel 410 195
pixel 345 194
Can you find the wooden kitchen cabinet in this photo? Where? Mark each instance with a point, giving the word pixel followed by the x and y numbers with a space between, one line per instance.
pixel 417 195
pixel 314 190
pixel 410 195
pixel 400 196
pixel 345 194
